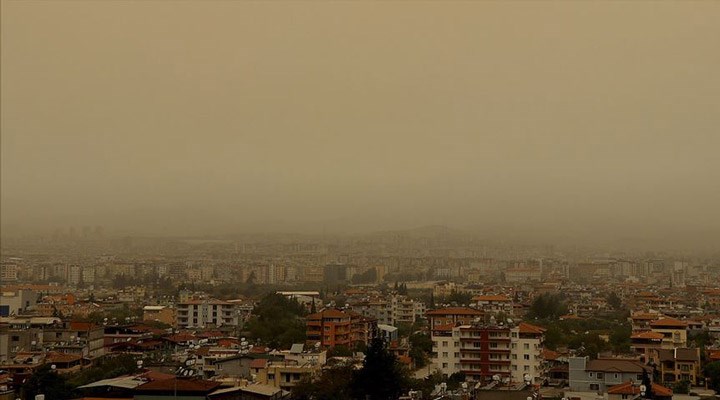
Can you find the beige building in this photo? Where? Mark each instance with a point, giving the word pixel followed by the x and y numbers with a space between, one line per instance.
pixel 162 314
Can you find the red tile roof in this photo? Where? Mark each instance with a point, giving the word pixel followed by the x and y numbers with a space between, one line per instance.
pixel 647 335
pixel 668 322
pixel 527 328
pixel 258 363
pixel 630 388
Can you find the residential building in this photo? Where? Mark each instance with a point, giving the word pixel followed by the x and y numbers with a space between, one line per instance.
pixel 204 313
pixel 332 327
pixel 632 390
pixel 526 353
pixel 598 375
pixel 674 332
pixel 162 314
pixel 16 302
pixel 676 365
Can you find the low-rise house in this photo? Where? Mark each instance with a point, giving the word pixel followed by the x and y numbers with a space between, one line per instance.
pixel 598 375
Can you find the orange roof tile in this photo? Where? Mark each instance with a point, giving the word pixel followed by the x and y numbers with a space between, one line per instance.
pixel 647 335
pixel 630 388
pixel 668 322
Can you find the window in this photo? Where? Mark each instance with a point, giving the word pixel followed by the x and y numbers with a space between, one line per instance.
pixel 594 386
pixel 599 375
pixel 617 376
pixel 444 365
pixel 526 368
pixel 493 345
pixel 16 338
pixel 514 367
pixel 445 354
pixel 526 356
pixel 526 346
pixel 514 334
pixel 591 374
pixel 457 355
pixel 514 345
pixel 445 344
pixel 514 356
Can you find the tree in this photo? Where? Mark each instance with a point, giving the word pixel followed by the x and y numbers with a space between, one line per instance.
pixel 382 377
pixel 277 321
pixel 251 278
pixel 712 375
pixel 421 345
pixel 48 382
pixel 614 301
pixel 547 306
pixel 333 384
pixel 648 384
pixel 682 387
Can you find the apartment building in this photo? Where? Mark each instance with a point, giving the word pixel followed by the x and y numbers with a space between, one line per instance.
pixel 676 365
pixel 207 312
pixel 484 352
pixel 446 337
pixel 494 304
pixel 332 327
pixel 673 330
pixel 526 352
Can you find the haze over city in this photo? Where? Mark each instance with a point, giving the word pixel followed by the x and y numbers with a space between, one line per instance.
pixel 549 121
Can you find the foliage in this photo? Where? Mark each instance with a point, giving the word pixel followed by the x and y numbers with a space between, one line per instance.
pixel 382 377
pixel 682 387
pixel 369 276
pixel 45 381
pixel 712 375
pixel 340 351
pixel 547 306
pixel 614 301
pixel 421 346
pixel 105 368
pixel 333 384
pixel 459 297
pixel 277 321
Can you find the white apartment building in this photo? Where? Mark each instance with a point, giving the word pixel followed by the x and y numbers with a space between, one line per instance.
pixel 202 313
pixel 526 345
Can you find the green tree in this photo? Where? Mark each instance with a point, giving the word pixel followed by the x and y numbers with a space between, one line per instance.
pixel 48 382
pixel 382 377
pixel 614 301
pixel 277 321
pixel 421 346
pixel 333 384
pixel 682 387
pixel 712 375
pixel 547 306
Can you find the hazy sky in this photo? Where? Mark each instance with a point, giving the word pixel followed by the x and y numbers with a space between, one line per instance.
pixel 195 116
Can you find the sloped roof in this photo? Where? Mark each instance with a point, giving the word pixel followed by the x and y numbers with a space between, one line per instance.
pixel 630 388
pixel 454 311
pixel 528 328
pixel 182 385
pixel 666 322
pixel 617 365
pixel 258 363
pixel 647 335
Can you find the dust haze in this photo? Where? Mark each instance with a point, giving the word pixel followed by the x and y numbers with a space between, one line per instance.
pixel 553 120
